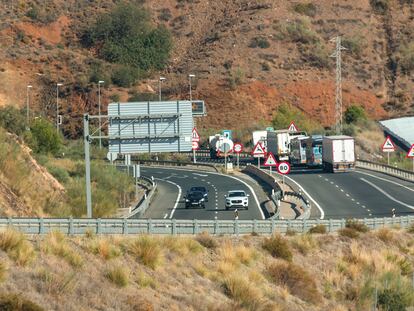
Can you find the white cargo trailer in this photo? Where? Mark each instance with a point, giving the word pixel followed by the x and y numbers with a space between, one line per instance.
pixel 338 153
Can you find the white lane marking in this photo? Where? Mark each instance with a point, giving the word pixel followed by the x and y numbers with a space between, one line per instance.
pixel 390 181
pixel 342 190
pixel 326 179
pixel 319 176
pixel 305 192
pixel 368 210
pixel 357 203
pixel 203 180
pixel 363 206
pixel 251 189
pixel 336 186
pixel 178 196
pixel 370 214
pixel 332 182
pixel 202 175
pixel 166 215
pixel 347 194
pixel 208 182
pixel 386 194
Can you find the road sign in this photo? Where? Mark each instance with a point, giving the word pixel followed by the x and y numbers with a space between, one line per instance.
pixel 292 127
pixel 270 160
pixel 112 156
pixel 195 136
pixel 127 159
pixel 283 168
pixel 258 150
pixel 238 148
pixel 269 129
pixel 195 145
pixel 388 145
pixel 227 133
pixel 410 153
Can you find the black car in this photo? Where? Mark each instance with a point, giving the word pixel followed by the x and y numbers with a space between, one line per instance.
pixel 203 190
pixel 194 198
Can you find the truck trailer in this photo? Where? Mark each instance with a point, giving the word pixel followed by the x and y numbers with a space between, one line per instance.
pixel 314 151
pixel 338 153
pixel 298 150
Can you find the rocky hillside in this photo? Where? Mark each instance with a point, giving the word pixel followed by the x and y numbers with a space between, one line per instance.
pixel 248 56
pixel 300 272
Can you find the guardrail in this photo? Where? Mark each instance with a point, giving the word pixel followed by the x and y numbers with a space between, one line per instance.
pixel 176 163
pixel 145 202
pixel 386 169
pixel 172 226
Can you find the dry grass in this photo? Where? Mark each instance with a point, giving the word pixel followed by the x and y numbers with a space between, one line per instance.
pixel 147 250
pixel 385 235
pixel 356 225
pixel 14 302
pixel 105 248
pixel 278 247
pixel 304 243
pixel 299 282
pixel 56 243
pixel 321 229
pixel 17 247
pixel 181 246
pixel 56 284
pixel 242 291
pixel 349 233
pixel 118 275
pixel 144 280
pixel 3 271
pixel 206 240
pixel 411 229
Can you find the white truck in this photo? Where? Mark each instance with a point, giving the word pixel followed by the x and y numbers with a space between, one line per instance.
pixel 338 153
pixel 219 145
pixel 278 143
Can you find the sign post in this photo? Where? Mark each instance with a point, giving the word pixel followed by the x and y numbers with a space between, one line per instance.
pixel 284 169
pixel 410 154
pixel 238 148
pixel 388 146
pixel 258 152
pixel 195 139
pixel 270 161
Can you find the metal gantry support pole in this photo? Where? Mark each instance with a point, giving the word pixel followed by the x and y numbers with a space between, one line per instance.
pixel 99 112
pixel 87 165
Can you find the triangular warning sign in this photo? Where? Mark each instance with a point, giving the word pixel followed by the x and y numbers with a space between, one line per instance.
pixel 388 145
pixel 258 150
pixel 410 153
pixel 292 127
pixel 270 160
pixel 195 136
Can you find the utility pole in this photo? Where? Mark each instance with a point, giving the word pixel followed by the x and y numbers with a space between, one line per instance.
pixel 159 87
pixel 57 106
pixel 338 91
pixel 99 112
pixel 190 76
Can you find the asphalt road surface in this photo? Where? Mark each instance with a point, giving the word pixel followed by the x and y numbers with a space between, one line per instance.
pixel 359 194
pixel 174 183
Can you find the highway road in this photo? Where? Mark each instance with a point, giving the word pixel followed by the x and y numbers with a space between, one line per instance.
pixel 357 194
pixel 174 183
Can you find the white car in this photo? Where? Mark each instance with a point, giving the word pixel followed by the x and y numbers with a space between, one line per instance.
pixel 237 198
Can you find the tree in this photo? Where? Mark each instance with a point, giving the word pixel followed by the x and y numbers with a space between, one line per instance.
pixel 13 120
pixel 46 138
pixel 354 114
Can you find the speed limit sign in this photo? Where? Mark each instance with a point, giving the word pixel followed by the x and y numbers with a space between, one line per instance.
pixel 238 148
pixel 283 168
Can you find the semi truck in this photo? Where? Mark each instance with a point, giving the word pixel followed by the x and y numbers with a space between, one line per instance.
pixel 219 145
pixel 338 153
pixel 298 150
pixel 314 151
pixel 278 143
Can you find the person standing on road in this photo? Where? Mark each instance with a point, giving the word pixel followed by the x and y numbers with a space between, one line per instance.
pixel 236 214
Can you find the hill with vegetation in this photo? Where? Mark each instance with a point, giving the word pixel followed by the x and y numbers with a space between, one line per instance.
pixel 351 270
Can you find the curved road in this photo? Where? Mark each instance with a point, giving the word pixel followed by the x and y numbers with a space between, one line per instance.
pixel 359 194
pixel 174 183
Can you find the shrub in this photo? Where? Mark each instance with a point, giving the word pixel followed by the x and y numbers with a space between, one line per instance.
pixel 115 98
pixel 316 55
pixel 13 120
pixel 380 6
pixel 125 76
pixel 165 14
pixel 348 232
pixel 290 232
pixel 59 173
pixel 33 13
pixel 411 229
pixel 46 137
pixel 318 229
pixel 17 247
pixel 14 302
pixel 354 114
pixel 299 282
pixel 139 97
pixel 56 244
pixel 206 240
pixel 406 57
pixel 354 44
pixel 242 291
pixel 260 42
pixel 308 9
pixel 298 31
pixel 104 248
pixel 3 271
pixel 147 250
pixel 145 280
pixel 304 243
pixel 278 247
pixel 356 225
pixel 385 235
pixel 118 275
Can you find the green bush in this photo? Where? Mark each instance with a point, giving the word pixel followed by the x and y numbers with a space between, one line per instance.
pixel 354 114
pixel 278 247
pixel 13 120
pixel 285 113
pixel 380 6
pixel 139 97
pixel 308 9
pixel 260 42
pixel 46 137
pixel 316 55
pixel 397 294
pixel 33 13
pixel 126 36
pixel 125 76
pixel 118 275
pixel 299 31
pixel 354 44
pixel 14 302
pixel 59 173
pixel 406 57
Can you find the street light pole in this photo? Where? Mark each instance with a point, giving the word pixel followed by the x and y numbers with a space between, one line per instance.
pixel 189 80
pixel 159 86
pixel 28 107
pixel 99 112
pixel 57 106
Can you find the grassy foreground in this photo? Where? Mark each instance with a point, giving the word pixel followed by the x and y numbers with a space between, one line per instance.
pixel 314 271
